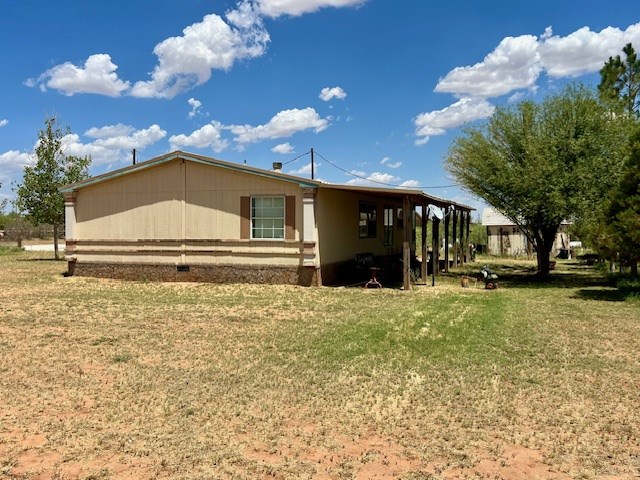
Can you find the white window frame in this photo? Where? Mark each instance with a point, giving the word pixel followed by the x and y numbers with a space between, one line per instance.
pixel 272 222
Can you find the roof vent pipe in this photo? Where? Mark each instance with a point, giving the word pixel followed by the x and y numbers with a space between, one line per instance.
pixel 277 166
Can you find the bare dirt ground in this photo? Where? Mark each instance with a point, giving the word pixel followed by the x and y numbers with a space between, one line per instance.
pixel 102 379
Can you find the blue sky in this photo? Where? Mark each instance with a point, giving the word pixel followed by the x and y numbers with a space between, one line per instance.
pixel 377 87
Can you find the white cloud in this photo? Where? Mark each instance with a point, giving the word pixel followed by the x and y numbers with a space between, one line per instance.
pixel 245 15
pixel 517 62
pixel 410 184
pixel 283 148
pixel 276 8
pixel 583 51
pixel 195 107
pixel 514 64
pixel 516 97
pixel 438 121
pixel 12 164
pixel 388 163
pixel 379 179
pixel 109 131
pixel 383 177
pixel 327 93
pixel 3 122
pixel 212 44
pixel 15 160
pixel 305 170
pixel 283 124
pixel 113 143
pixel 138 139
pixel 188 60
pixel 209 135
pixel 100 155
pixel 373 178
pixel 97 76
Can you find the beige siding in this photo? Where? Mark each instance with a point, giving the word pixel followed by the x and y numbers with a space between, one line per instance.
pixel 132 257
pixel 142 205
pixel 337 220
pixel 179 212
pixel 222 188
pixel 201 253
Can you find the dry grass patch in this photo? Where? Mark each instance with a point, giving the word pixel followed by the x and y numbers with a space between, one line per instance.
pixel 114 380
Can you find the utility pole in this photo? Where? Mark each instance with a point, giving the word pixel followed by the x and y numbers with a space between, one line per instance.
pixel 312 166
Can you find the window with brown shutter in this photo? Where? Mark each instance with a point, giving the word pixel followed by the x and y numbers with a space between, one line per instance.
pixel 268 218
pixel 245 217
pixel 290 218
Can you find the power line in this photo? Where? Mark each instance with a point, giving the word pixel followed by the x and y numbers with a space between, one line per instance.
pixel 294 159
pixel 376 181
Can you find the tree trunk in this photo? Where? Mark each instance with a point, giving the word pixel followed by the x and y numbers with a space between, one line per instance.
pixel 543 254
pixel 544 243
pixel 55 242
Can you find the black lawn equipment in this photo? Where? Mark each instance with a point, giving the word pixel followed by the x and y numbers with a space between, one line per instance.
pixel 490 279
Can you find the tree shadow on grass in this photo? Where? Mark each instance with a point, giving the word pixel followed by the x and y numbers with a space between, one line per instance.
pixel 626 290
pixel 568 275
pixel 555 280
pixel 602 294
pixel 590 282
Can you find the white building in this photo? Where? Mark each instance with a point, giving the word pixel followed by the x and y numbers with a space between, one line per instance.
pixel 505 238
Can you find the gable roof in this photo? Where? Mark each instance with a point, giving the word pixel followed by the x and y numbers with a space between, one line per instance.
pixel 162 159
pixel 243 168
pixel 493 218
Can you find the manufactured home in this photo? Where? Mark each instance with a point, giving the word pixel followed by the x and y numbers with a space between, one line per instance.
pixel 182 216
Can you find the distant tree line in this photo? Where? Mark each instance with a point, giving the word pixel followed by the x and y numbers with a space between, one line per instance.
pixel 16 228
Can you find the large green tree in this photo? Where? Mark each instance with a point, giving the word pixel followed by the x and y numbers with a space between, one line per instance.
pixel 38 196
pixel 620 81
pixel 542 163
pixel 620 234
pixel 615 231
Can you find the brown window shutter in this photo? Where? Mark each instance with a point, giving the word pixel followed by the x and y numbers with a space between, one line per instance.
pixel 245 217
pixel 290 218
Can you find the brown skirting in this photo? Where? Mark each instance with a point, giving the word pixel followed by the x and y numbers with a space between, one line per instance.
pixel 305 276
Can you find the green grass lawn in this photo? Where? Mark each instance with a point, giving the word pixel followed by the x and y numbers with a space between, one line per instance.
pixel 103 379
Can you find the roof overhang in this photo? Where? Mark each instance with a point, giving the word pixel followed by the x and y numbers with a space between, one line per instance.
pixel 178 155
pixel 416 196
